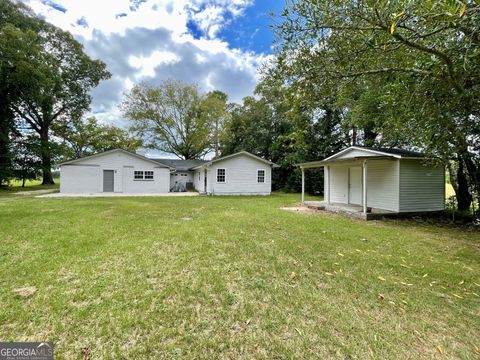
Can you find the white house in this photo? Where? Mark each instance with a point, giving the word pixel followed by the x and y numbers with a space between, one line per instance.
pixel 120 171
pixel 237 174
pixel 382 181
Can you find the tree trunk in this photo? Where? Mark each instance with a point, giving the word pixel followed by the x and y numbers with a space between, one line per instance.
pixel 5 154
pixel 46 157
pixel 23 182
pixel 462 192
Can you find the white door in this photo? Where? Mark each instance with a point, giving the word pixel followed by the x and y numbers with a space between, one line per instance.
pixel 355 185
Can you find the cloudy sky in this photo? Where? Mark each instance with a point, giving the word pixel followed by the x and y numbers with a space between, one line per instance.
pixel 218 44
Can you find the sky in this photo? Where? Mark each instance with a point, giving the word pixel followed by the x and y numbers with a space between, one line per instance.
pixel 217 44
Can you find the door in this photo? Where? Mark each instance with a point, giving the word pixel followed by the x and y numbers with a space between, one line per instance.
pixel 108 180
pixel 355 185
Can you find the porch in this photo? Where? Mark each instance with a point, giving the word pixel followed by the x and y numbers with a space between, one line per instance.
pixel 355 211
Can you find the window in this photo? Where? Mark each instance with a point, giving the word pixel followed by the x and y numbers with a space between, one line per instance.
pixel 260 176
pixel 148 175
pixel 138 175
pixel 220 175
pixel 143 175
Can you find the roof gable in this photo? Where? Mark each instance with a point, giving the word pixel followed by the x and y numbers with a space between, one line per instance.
pixel 246 153
pixel 75 161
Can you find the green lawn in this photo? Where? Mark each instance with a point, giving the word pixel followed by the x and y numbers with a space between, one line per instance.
pixel 231 277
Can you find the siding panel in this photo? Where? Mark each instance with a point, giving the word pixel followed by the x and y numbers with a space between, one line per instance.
pixel 241 177
pixel 383 184
pixel 338 184
pixel 422 188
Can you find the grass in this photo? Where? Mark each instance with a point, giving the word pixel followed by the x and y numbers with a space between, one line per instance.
pixel 231 277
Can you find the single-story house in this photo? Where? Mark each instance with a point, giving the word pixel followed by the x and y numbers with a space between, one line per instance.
pixel 382 181
pixel 120 171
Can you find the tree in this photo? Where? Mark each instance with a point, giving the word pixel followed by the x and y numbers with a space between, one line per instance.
pixel 87 137
pixel 17 46
pixel 57 78
pixel 214 110
pixel 169 117
pixel 27 164
pixel 412 68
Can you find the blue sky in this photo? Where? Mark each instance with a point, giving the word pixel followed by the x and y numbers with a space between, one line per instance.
pixel 216 44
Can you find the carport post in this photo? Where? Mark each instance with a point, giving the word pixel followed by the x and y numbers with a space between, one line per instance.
pixel 303 185
pixel 364 184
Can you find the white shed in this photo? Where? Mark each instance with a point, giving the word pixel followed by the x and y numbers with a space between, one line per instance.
pixel 114 171
pixel 382 181
pixel 241 173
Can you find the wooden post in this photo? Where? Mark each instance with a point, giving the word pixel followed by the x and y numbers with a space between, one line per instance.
pixel 303 185
pixel 364 185
pixel 328 183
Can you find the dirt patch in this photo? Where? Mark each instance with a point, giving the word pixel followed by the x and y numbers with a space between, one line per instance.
pixel 25 292
pixel 299 209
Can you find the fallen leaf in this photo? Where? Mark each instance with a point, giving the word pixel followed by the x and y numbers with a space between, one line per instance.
pixel 461 282
pixel 382 278
pixel 293 276
pixel 440 349
pixel 298 331
pixel 248 321
pixel 340 254
pixel 381 296
pixel 329 274
pixel 357 250
pixel 462 10
pixel 458 296
pixel 425 275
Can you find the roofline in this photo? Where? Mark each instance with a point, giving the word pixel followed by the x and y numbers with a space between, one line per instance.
pixel 243 152
pixel 74 161
pixel 362 149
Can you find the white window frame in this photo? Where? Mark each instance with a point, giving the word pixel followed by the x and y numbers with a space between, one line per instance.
pixel 264 176
pixel 140 173
pixel 224 176
pixel 149 178
pixel 143 175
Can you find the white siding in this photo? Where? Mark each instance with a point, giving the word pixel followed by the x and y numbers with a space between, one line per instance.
pixel 80 178
pixel 339 184
pixel 241 177
pixel 354 153
pixel 383 184
pixel 422 188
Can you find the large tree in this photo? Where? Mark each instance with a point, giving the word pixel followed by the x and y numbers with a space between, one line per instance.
pixel 58 79
pixel 405 69
pixel 169 118
pixel 87 136
pixel 17 46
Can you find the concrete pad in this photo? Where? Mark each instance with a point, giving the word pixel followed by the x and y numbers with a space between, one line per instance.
pixel 60 195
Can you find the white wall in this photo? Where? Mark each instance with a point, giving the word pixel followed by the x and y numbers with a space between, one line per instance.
pixel 422 188
pixel 383 184
pixel 80 178
pixel 241 177
pixel 339 184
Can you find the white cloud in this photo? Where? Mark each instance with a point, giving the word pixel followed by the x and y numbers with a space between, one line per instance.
pixel 149 40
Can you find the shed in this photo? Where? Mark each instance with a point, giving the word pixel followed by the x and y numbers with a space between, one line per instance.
pixel 382 181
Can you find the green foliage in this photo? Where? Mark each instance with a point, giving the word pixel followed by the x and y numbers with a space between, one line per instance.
pixel 87 137
pixel 214 111
pixel 170 118
pixel 26 162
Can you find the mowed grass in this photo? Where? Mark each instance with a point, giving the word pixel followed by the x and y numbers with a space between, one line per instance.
pixel 232 278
